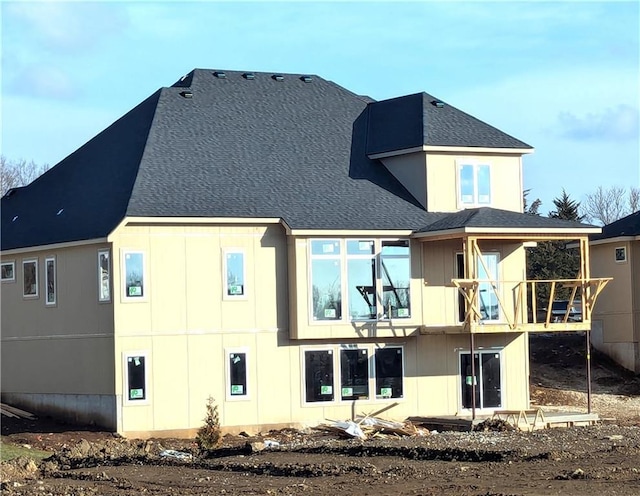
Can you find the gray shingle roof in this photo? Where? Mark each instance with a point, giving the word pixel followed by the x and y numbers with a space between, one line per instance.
pixel 627 226
pixel 415 121
pixel 495 218
pixel 237 147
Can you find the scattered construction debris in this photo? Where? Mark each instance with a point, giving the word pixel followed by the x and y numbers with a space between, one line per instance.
pixel 11 411
pixel 368 425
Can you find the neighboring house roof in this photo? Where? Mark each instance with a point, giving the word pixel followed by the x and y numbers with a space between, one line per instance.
pixel 627 226
pixel 290 147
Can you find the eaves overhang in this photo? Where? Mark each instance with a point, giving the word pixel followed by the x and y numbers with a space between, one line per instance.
pixel 186 221
pixel 614 239
pixel 507 233
pixel 452 149
pixel 54 246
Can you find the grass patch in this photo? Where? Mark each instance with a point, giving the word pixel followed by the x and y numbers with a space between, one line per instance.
pixel 9 451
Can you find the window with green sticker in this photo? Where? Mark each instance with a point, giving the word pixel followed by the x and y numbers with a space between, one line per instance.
pixel 234 274
pixel 134 275
pixel 136 378
pixel 389 372
pixel 237 374
pixel 318 371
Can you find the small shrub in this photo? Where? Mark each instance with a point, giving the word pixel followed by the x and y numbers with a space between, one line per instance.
pixel 209 436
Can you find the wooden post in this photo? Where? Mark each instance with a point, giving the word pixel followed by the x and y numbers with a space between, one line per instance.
pixel 588 372
pixel 473 376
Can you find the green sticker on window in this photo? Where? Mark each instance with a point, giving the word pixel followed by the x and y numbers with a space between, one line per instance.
pixel 347 391
pixel 403 312
pixel 237 389
pixel 386 392
pixel 329 313
pixel 135 290
pixel 326 389
pixel 136 394
pixel 235 289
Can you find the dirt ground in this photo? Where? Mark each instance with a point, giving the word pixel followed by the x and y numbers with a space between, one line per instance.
pixel 602 459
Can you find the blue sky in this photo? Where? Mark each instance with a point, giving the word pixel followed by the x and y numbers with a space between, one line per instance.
pixel 561 76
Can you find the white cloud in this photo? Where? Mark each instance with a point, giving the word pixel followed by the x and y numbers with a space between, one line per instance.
pixel 617 123
pixel 72 27
pixel 43 82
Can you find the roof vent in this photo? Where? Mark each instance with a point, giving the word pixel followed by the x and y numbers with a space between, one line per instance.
pixel 306 79
pixel 186 94
pixel 278 77
pixel 220 75
pixel 249 75
pixel 437 103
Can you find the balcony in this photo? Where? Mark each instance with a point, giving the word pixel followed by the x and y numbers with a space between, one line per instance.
pixel 532 306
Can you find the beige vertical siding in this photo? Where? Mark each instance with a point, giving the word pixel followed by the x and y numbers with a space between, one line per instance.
pixel 64 348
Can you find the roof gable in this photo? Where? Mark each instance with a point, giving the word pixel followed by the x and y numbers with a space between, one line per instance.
pixel 418 120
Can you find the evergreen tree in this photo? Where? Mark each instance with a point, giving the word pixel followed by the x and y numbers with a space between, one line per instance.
pixel 552 259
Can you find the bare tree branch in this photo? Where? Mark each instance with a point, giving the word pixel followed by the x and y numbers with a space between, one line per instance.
pixel 605 206
pixel 18 173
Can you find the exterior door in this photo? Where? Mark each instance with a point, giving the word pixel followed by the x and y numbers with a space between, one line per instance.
pixel 488 379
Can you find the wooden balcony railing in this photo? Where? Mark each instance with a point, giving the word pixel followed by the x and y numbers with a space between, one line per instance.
pixel 532 304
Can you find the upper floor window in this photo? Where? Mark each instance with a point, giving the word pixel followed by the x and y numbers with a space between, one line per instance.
pixel 104 276
pixel 234 274
pixel 365 279
pixel 30 278
pixel 50 280
pixel 8 271
pixel 474 184
pixel 134 275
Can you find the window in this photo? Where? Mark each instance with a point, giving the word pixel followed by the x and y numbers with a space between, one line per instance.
pixel 356 371
pixel 621 254
pixel 8 271
pixel 396 275
pixel 318 375
pixel 487 289
pixel 474 184
pixel 30 278
pixel 354 374
pixel 237 374
pixel 104 276
pixel 389 372
pixel 377 282
pixel 133 275
pixel 361 279
pixel 326 280
pixel 136 377
pixel 50 280
pixel 234 274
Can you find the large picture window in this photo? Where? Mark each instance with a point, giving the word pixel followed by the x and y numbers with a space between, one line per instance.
pixel 355 372
pixel 318 375
pixel 136 377
pixel 50 280
pixel 104 275
pixel 377 282
pixel 234 274
pixel 474 184
pixel 30 278
pixel 134 275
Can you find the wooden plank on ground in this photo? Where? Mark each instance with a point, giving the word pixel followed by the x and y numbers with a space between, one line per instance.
pixel 17 412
